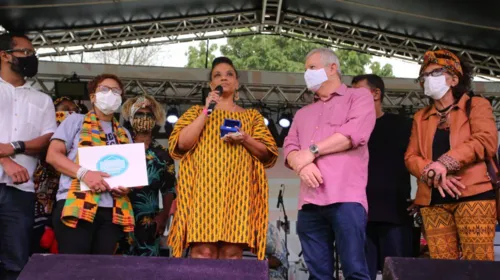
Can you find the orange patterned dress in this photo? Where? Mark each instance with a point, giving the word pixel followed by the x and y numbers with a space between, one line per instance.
pixel 222 188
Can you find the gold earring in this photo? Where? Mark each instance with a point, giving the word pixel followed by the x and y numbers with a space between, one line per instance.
pixel 237 96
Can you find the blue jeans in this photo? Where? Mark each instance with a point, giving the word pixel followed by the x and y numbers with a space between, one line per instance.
pixel 16 226
pixel 319 227
pixel 386 240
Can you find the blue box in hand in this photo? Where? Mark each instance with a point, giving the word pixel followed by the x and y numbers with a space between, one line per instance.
pixel 229 126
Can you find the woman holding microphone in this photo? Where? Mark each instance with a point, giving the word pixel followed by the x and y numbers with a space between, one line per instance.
pixel 222 187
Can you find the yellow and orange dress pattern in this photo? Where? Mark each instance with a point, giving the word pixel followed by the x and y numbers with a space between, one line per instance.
pixel 222 188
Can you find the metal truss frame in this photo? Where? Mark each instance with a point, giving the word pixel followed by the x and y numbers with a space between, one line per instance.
pixel 177 92
pixel 260 95
pixel 111 37
pixel 409 102
pixel 274 99
pixel 270 20
pixel 378 43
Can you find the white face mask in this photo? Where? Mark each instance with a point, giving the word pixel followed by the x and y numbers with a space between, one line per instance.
pixel 436 87
pixel 315 78
pixel 108 102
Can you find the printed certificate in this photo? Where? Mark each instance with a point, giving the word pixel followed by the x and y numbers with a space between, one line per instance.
pixel 126 164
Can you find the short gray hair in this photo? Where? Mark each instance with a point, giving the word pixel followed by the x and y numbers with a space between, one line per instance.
pixel 328 57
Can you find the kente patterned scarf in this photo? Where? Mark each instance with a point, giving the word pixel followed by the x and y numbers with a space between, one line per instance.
pixel 445 58
pixel 83 205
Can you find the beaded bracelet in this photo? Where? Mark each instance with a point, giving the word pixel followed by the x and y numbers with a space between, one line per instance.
pixel 82 171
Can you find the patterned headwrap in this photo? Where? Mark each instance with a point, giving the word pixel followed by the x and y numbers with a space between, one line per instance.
pixel 60 100
pixel 132 105
pixel 142 102
pixel 445 58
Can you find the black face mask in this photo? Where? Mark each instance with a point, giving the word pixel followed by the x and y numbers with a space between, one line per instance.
pixel 25 66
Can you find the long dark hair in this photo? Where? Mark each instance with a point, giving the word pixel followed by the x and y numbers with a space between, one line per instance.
pixel 464 85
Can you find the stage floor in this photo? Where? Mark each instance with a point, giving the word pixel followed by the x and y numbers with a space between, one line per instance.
pixel 497 252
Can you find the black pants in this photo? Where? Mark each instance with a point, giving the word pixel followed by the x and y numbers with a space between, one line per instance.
pixel 36 237
pixel 386 240
pixel 97 238
pixel 16 226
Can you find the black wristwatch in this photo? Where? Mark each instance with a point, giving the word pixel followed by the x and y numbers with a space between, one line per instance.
pixel 314 150
pixel 18 146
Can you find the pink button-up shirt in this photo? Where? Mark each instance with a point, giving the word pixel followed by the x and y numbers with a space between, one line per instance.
pixel 350 112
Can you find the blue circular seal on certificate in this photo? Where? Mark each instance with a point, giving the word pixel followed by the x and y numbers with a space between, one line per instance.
pixel 114 165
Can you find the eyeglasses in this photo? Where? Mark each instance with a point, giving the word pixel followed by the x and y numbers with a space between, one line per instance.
pixel 434 73
pixel 27 52
pixel 106 89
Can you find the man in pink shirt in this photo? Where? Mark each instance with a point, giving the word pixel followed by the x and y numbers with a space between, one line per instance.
pixel 327 147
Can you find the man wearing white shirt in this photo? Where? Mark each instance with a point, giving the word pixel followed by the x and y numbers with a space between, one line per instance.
pixel 27 121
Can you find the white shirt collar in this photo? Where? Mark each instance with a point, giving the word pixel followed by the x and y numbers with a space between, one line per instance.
pixel 25 86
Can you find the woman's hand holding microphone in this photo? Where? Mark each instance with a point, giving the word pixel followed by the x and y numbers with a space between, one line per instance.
pixel 212 96
pixel 212 99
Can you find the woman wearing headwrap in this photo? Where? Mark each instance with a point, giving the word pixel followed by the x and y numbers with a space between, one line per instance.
pixel 46 180
pixel 450 143
pixel 144 114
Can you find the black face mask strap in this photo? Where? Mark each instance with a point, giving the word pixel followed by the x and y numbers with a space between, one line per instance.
pixel 14 65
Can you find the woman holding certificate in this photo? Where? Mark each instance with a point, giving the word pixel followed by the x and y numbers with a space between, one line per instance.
pixel 222 204
pixel 90 222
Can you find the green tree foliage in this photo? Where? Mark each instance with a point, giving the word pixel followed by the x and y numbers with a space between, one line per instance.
pixel 382 71
pixel 275 53
pixel 266 52
pixel 352 62
pixel 197 55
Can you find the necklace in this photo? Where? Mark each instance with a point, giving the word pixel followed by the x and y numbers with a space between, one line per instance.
pixel 444 116
pixel 232 109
